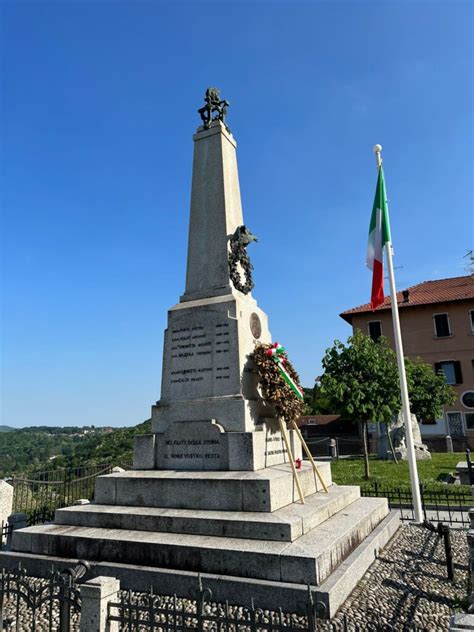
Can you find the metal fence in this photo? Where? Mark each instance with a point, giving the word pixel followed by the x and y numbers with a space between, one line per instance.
pixel 38 497
pixel 54 603
pixel 148 612
pixel 38 605
pixel 345 446
pixel 5 531
pixel 450 506
pixel 40 516
pixel 353 445
pixel 53 489
pixel 438 444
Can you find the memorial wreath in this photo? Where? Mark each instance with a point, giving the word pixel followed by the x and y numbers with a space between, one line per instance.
pixel 279 381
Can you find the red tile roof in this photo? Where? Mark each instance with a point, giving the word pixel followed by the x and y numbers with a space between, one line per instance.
pixel 317 420
pixel 426 293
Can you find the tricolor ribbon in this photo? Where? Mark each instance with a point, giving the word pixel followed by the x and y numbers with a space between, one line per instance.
pixel 277 352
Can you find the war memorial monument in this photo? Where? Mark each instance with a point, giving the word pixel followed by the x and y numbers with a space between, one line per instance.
pixel 212 491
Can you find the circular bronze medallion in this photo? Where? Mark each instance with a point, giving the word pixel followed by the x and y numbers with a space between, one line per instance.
pixel 255 326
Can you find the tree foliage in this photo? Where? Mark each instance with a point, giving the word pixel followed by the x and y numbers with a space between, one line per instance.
pixel 360 379
pixel 427 390
pixel 316 403
pixel 361 383
pixel 33 449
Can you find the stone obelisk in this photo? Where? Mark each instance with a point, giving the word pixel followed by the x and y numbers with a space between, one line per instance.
pixel 210 414
pixel 211 497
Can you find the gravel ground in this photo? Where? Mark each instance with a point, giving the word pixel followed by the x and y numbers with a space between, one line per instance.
pixel 405 589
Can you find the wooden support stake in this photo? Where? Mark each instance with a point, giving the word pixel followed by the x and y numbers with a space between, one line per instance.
pixel 292 461
pixel 310 456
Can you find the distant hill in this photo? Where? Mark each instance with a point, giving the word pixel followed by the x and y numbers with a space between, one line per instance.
pixel 41 448
pixel 7 429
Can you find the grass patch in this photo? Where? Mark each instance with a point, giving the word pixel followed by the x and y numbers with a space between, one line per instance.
pixel 392 475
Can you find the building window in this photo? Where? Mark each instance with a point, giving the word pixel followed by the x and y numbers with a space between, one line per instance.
pixel 467 399
pixel 375 330
pixel 471 320
pixel 455 424
pixel 451 370
pixel 469 417
pixel 441 325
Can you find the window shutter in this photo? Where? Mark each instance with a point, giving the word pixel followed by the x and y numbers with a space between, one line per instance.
pixel 375 330
pixel 458 372
pixel 442 325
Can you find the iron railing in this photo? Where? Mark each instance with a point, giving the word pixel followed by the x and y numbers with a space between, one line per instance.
pixel 54 603
pixel 148 612
pixel 54 489
pixel 345 446
pixel 38 605
pixel 39 496
pixel 450 506
pixel 438 444
pixel 5 531
pixel 40 516
pixel 353 445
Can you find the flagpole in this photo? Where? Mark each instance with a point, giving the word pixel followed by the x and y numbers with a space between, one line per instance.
pixel 414 481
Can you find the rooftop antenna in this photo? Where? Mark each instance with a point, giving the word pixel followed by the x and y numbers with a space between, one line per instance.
pixel 469 267
pixel 395 268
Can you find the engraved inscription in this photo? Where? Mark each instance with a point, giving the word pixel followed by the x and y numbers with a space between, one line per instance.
pixel 202 449
pixel 272 448
pixel 199 359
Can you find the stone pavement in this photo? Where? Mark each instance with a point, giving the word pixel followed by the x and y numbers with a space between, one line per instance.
pixel 407 585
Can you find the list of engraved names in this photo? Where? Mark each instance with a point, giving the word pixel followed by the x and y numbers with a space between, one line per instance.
pixel 200 356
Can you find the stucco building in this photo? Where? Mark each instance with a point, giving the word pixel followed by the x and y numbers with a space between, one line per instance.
pixel 437 322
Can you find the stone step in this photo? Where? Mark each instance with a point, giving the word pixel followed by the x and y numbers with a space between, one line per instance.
pixel 237 590
pixel 337 587
pixel 308 560
pixel 285 524
pixel 268 489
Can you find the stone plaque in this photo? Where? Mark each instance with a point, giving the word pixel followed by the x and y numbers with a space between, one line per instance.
pixel 255 326
pixel 200 354
pixel 196 445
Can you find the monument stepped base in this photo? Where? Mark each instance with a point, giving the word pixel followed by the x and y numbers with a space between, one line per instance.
pixel 308 560
pixel 264 490
pixel 245 532
pixel 286 524
pixel 290 596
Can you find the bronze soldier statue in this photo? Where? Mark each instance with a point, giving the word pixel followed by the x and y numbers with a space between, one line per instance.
pixel 215 108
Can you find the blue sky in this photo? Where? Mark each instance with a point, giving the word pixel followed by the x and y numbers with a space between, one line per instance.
pixel 98 107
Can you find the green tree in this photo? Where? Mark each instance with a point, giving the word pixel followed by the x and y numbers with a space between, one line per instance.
pixel 428 391
pixel 360 382
pixel 316 402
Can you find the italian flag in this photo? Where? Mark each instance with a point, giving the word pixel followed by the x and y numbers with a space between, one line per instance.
pixel 379 234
